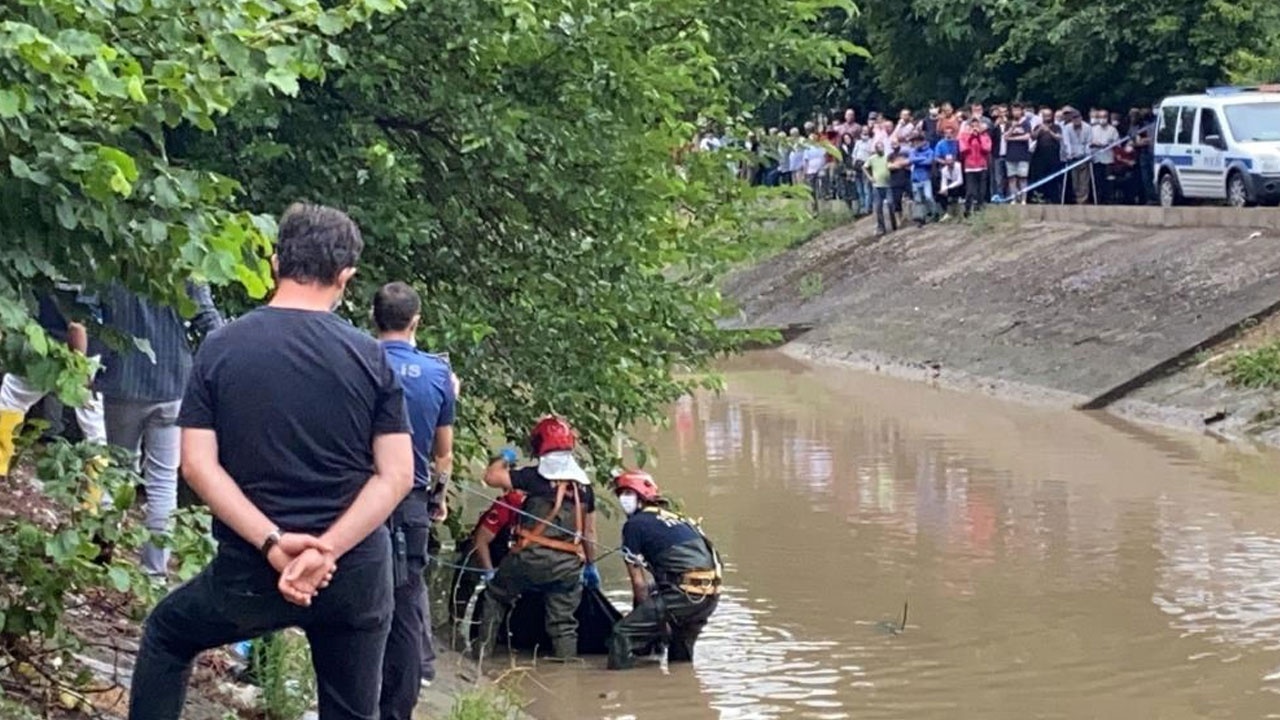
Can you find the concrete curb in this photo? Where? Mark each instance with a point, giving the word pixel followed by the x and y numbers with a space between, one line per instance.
pixel 1177 217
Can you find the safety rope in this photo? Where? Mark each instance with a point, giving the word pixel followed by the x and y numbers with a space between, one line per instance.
pixel 609 550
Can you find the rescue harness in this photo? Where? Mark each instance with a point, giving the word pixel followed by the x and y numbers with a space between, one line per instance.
pixel 535 535
pixel 702 582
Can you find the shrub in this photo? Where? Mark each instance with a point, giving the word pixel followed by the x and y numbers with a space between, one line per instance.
pixel 1256 368
pixel 282 667
pixel 488 703
pixel 78 539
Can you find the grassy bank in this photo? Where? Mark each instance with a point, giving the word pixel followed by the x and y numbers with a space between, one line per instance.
pixel 1255 368
pixel 493 702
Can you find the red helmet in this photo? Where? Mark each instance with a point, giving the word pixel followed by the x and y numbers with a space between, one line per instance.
pixel 639 482
pixel 550 435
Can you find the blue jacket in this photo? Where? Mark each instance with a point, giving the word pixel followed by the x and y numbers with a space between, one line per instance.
pixel 947 147
pixel 921 164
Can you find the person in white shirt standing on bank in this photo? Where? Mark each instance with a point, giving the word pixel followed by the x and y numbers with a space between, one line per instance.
pixel 1103 136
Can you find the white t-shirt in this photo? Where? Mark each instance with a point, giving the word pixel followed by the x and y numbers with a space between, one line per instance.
pixel 952 176
pixel 1105 135
pixel 814 159
pixel 795 161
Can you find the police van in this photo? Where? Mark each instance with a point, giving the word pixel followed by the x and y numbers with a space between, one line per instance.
pixel 1221 145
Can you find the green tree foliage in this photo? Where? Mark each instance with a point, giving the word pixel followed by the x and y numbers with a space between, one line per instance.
pixel 518 163
pixel 90 91
pixel 1120 53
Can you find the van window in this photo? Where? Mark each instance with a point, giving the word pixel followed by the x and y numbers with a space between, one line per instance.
pixel 1209 124
pixel 1254 122
pixel 1168 123
pixel 1186 123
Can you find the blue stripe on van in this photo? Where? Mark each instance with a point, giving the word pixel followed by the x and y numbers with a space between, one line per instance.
pixel 1179 160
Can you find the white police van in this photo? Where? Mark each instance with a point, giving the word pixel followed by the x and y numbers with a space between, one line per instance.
pixel 1222 145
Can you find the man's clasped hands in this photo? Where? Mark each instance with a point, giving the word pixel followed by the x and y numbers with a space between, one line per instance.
pixel 306 565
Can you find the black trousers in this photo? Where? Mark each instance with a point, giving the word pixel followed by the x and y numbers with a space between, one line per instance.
pixel 1102 181
pixel 668 616
pixel 402 664
pixel 236 598
pixel 975 189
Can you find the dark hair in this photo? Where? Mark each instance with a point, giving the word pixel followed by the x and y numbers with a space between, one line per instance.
pixel 394 307
pixel 316 243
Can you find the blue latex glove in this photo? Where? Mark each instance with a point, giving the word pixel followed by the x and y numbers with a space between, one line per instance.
pixel 591 576
pixel 507 455
pixel 487 576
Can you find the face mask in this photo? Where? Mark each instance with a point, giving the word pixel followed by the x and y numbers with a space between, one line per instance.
pixel 629 502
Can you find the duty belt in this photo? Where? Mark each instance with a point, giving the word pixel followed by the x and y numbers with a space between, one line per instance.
pixel 698 582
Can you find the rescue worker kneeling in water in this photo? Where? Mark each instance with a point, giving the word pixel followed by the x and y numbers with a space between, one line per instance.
pixel 555 538
pixel 685 569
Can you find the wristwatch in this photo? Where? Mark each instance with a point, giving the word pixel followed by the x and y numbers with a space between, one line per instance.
pixel 271 540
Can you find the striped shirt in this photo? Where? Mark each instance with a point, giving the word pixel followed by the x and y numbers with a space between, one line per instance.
pixel 129 373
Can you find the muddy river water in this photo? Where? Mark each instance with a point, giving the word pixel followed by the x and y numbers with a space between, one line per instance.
pixel 1053 564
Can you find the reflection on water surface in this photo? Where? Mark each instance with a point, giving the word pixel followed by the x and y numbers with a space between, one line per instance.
pixel 1055 564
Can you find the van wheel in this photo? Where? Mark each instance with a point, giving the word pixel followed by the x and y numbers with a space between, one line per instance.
pixel 1169 195
pixel 1237 193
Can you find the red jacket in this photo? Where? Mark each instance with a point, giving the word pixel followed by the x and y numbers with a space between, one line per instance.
pixel 975 150
pixel 502 513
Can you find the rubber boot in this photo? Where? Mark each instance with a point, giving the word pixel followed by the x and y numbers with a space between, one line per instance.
pixel 620 655
pixel 9 422
pixel 564 649
pixel 490 623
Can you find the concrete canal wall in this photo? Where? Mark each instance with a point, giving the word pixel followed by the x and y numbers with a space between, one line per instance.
pixel 1089 307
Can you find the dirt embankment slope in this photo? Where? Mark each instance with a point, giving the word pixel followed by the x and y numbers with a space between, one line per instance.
pixel 1106 313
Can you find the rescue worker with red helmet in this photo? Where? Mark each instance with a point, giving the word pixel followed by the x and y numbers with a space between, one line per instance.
pixel 685 569
pixel 497 524
pixel 555 538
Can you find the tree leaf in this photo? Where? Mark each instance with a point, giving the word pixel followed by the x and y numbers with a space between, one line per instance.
pixel 19 168
pixel 143 345
pixel 284 80
pixel 119 578
pixel 280 56
pixel 67 215
pixel 120 185
pixel 121 160
pixel 331 22
pixel 10 104
pixel 37 340
pixel 133 86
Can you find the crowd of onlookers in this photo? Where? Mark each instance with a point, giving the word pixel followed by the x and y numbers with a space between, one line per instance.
pixel 951 162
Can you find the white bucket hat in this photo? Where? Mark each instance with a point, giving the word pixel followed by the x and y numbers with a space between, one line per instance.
pixel 562 465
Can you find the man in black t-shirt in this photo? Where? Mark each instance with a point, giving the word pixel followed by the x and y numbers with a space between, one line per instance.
pixel 294 433
pixel 555 539
pixel 1017 157
pixel 685 569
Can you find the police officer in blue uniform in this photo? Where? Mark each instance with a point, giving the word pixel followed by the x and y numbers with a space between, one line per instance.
pixel 430 398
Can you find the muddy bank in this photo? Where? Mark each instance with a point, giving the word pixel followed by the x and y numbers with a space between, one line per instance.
pixel 1087 314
